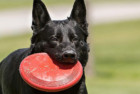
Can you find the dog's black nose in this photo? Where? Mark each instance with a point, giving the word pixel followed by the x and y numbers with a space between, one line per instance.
pixel 69 56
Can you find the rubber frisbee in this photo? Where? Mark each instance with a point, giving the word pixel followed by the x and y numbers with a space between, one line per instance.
pixel 42 73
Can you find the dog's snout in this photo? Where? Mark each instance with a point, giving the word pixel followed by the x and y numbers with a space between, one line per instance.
pixel 69 54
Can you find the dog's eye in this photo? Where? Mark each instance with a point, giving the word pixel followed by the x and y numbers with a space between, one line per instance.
pixel 53 39
pixel 75 39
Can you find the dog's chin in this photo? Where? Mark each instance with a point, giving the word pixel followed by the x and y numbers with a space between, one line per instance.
pixel 68 61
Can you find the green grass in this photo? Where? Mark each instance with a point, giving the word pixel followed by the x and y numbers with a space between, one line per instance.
pixel 110 1
pixel 110 86
pixel 8 4
pixel 9 44
pixel 117 56
pixel 117 50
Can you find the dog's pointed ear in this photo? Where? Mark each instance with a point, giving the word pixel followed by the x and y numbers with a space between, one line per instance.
pixel 40 15
pixel 79 12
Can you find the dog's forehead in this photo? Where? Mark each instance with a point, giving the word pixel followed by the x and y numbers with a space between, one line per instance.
pixel 62 26
pixel 62 23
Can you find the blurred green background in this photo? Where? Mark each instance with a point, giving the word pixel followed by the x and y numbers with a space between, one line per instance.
pixel 116 48
pixel 6 4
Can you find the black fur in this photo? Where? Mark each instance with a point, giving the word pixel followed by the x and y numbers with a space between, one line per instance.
pixel 65 41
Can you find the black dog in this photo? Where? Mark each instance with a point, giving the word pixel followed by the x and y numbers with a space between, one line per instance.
pixel 64 41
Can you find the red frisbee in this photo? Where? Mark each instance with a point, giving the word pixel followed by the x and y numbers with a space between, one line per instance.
pixel 41 72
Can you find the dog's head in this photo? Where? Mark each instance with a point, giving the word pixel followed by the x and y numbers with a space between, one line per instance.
pixel 64 41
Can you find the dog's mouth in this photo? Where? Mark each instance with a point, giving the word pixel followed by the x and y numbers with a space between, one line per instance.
pixel 65 58
pixel 69 61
